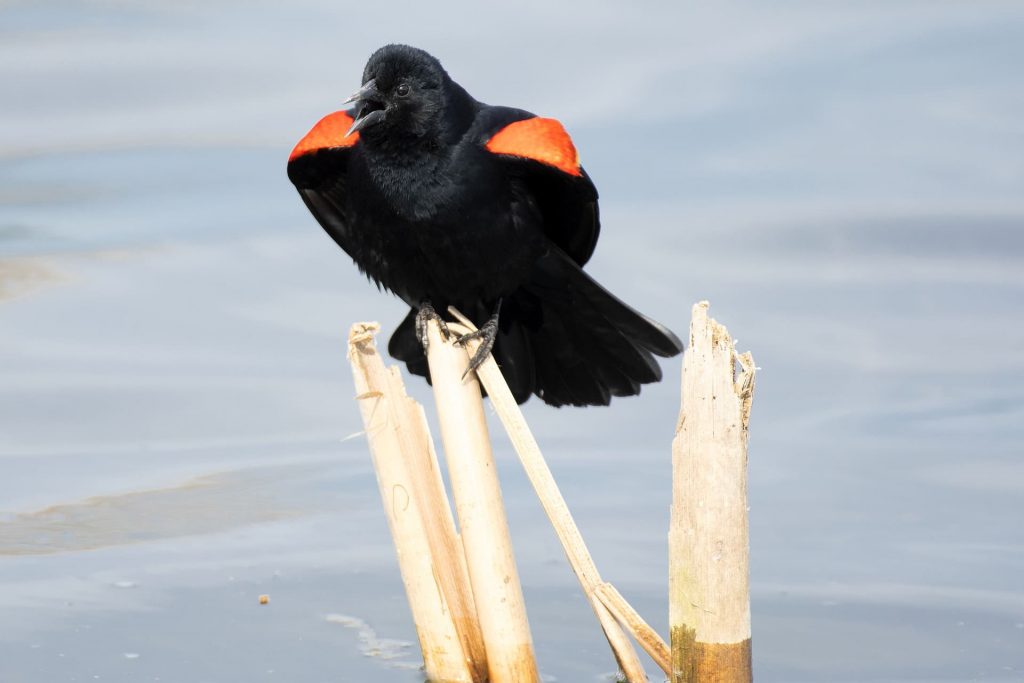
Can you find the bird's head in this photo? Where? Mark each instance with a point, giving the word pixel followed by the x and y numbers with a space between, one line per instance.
pixel 404 95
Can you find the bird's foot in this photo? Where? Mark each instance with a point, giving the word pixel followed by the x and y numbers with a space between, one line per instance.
pixel 424 315
pixel 487 332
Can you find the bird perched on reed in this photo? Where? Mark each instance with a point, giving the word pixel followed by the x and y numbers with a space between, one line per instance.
pixel 447 201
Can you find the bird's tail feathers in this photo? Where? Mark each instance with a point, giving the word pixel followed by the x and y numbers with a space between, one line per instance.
pixel 563 337
pixel 595 345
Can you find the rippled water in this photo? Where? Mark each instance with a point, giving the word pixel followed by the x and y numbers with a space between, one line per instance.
pixel 176 415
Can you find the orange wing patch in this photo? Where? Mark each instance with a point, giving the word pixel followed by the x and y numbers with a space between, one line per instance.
pixel 328 132
pixel 543 140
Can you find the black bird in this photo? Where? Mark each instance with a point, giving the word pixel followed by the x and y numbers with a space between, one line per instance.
pixel 448 201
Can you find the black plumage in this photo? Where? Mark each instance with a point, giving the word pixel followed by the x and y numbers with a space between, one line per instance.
pixel 445 200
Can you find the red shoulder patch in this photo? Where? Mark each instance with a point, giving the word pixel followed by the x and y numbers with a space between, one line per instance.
pixel 543 140
pixel 328 132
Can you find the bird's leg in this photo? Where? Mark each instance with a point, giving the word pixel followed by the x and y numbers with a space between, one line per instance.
pixel 487 332
pixel 425 314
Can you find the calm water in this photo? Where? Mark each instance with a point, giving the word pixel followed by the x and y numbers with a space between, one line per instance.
pixel 177 429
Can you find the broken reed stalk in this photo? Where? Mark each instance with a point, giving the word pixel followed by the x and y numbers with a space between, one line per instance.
pixel 429 551
pixel 481 513
pixel 607 603
pixel 709 576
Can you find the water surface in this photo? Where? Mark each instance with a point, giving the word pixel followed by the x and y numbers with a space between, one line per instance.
pixel 178 434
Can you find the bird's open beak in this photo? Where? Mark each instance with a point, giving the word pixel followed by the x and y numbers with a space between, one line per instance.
pixel 371 111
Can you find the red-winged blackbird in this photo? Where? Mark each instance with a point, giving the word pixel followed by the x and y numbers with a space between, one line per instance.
pixel 447 201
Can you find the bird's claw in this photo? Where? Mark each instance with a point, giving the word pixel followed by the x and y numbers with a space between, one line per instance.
pixel 424 315
pixel 487 333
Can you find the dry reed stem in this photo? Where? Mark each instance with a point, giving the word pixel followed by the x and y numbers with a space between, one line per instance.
pixel 478 503
pixel 429 554
pixel 565 527
pixel 451 574
pixel 648 638
pixel 709 576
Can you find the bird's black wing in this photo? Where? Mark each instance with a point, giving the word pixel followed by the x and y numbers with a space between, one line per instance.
pixel 318 167
pixel 540 152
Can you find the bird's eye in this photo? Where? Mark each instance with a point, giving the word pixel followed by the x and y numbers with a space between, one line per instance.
pixel 402 90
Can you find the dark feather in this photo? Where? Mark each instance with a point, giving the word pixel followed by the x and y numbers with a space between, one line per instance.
pixel 427 210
